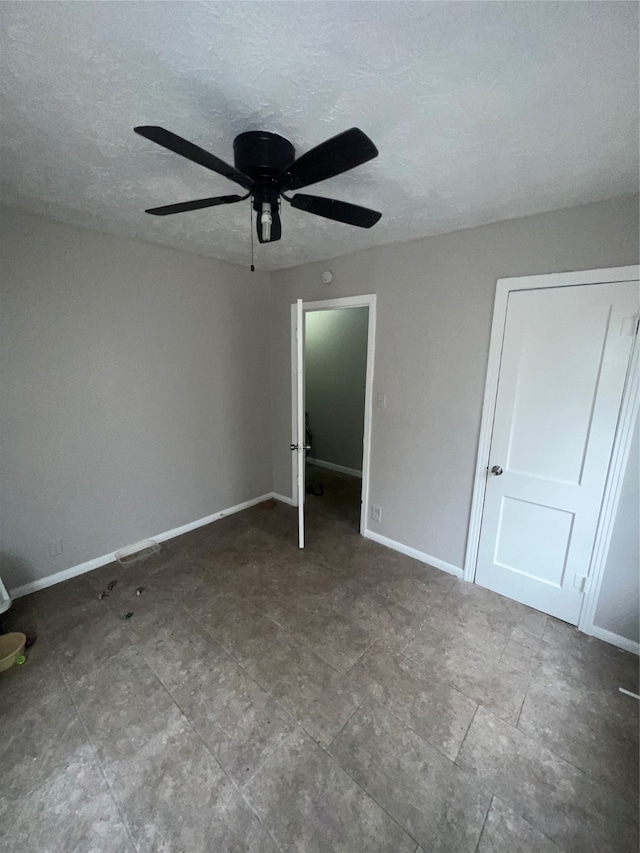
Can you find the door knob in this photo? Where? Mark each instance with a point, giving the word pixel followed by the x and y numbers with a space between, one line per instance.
pixel 497 470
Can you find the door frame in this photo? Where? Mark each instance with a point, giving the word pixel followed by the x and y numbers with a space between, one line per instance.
pixel 622 440
pixel 367 300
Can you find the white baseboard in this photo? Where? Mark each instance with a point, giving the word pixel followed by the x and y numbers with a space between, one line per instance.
pixel 193 525
pixel 413 552
pixel 615 639
pixel 64 575
pixel 600 633
pixel 284 499
pixel 97 562
pixel 333 467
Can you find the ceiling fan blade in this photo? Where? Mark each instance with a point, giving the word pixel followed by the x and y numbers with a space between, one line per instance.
pixel 195 205
pixel 192 152
pixel 338 154
pixel 341 211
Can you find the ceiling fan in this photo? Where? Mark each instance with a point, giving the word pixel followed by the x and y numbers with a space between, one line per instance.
pixel 265 165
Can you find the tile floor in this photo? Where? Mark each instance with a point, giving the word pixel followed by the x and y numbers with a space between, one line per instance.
pixel 344 698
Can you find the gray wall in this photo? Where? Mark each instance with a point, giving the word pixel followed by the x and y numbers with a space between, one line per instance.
pixel 618 603
pixel 135 387
pixel 135 392
pixel 435 302
pixel 335 373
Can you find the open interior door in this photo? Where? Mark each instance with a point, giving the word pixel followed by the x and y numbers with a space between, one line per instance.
pixel 300 448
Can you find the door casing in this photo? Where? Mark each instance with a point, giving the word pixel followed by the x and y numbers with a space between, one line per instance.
pixel 367 300
pixel 622 441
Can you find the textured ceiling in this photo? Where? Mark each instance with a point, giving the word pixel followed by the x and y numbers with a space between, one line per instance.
pixel 481 111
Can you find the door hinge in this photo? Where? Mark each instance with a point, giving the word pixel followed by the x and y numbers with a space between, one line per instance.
pixel 580 582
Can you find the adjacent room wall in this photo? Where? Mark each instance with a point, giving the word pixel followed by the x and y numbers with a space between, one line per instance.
pixel 335 374
pixel 435 303
pixel 135 392
pixel 619 600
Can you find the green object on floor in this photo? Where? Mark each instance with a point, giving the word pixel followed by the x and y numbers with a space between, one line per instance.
pixel 127 615
pixel 20 660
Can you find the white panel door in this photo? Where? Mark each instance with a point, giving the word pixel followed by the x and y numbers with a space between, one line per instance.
pixel 564 362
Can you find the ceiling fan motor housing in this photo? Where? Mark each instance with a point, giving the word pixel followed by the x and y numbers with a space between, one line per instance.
pixel 262 155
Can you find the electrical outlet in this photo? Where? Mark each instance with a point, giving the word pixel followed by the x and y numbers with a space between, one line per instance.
pixel 55 547
pixel 376 513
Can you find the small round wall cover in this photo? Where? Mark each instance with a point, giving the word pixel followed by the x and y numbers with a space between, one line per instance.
pixel 327 277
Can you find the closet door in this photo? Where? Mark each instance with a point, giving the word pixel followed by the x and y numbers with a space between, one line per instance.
pixel 564 362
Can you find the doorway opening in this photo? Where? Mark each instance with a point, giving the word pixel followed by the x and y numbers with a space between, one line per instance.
pixel 335 368
pixel 332 378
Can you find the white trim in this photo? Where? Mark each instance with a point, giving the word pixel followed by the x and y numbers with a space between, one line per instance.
pixel 412 552
pixel 363 301
pixel 368 413
pixel 5 598
pixel 64 575
pixel 193 525
pixel 503 287
pixel 611 497
pixel 284 499
pixel 569 279
pixel 300 440
pixel 294 403
pixel 333 467
pixel 486 429
pixel 615 639
pixel 97 562
pixel 367 300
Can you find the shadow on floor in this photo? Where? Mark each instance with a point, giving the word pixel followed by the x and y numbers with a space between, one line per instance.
pixel 340 496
